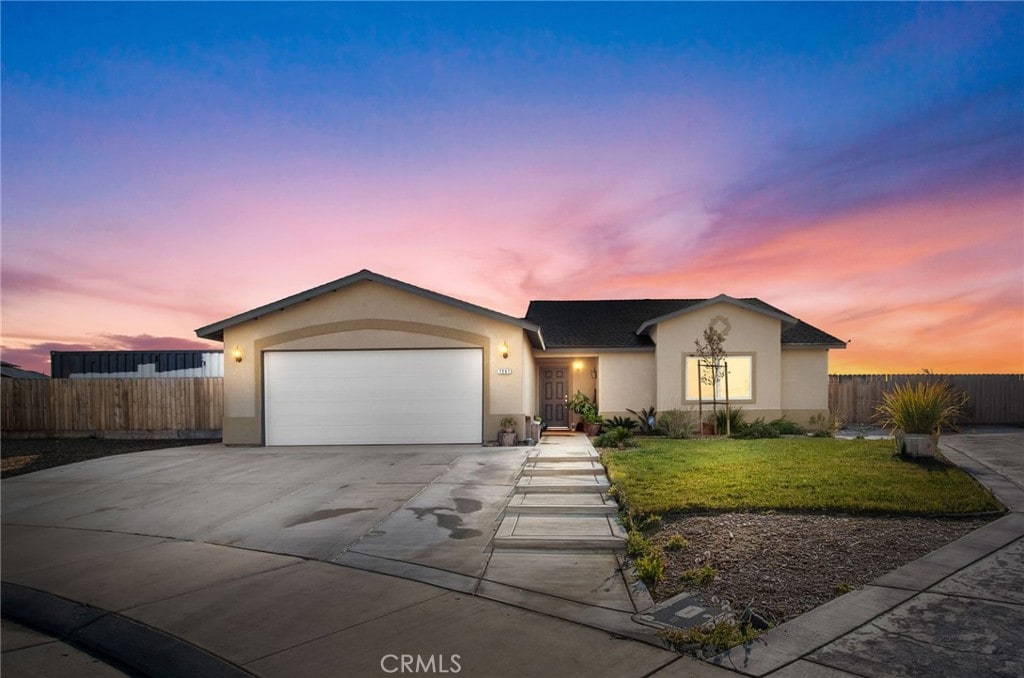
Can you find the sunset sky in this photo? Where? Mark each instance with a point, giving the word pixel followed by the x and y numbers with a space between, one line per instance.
pixel 860 166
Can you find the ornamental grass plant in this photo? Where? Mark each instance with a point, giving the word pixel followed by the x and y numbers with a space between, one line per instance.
pixel 924 408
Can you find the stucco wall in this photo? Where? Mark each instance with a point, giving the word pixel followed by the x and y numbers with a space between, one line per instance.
pixel 750 333
pixel 531 405
pixel 371 315
pixel 626 381
pixel 804 383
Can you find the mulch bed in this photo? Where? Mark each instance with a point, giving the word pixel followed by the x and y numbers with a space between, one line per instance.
pixel 18 456
pixel 783 565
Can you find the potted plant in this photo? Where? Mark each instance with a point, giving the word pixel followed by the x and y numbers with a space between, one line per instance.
pixel 916 414
pixel 592 424
pixel 507 433
pixel 587 410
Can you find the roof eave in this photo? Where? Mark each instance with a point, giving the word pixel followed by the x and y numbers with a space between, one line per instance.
pixel 215 331
pixel 786 319
pixel 598 349
pixel 822 344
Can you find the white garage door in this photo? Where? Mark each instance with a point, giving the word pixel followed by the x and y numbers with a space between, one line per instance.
pixel 373 397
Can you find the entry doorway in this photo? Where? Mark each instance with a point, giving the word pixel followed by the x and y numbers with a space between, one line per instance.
pixel 554 389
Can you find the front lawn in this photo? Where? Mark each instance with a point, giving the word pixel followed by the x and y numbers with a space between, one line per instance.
pixel 789 474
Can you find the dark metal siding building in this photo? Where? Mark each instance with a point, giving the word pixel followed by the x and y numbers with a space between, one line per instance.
pixel 136 364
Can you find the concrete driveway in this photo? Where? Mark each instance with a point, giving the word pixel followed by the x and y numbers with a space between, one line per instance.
pixel 431 505
pixel 272 561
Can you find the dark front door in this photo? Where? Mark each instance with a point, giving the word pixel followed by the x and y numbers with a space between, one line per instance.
pixel 554 395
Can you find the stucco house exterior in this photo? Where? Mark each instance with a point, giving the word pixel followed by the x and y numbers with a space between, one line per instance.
pixel 368 359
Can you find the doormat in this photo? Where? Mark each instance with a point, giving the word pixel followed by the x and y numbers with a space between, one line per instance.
pixel 685 611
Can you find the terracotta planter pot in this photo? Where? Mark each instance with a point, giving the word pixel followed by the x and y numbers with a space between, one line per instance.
pixel 592 429
pixel 507 438
pixel 707 429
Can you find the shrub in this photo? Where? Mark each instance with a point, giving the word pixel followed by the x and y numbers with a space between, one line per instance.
pixel 786 427
pixel 676 542
pixel 826 426
pixel 698 576
pixel 927 407
pixel 677 423
pixel 618 437
pixel 648 522
pixel 734 416
pixel 756 429
pixel 637 545
pixel 711 639
pixel 650 569
pixel 645 417
pixel 621 422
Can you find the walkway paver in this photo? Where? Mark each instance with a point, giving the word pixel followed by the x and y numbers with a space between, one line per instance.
pixel 560 501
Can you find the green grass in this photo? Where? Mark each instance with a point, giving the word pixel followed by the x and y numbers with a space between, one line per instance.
pixel 789 474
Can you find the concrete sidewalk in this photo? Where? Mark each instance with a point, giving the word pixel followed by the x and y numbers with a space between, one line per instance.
pixel 168 607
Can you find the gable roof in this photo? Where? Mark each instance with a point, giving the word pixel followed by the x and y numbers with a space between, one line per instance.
pixel 215 331
pixel 624 323
pixel 755 305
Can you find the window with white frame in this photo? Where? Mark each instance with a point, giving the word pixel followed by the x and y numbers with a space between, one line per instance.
pixel 740 369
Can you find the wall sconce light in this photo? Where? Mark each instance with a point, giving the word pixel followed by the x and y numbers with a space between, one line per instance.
pixel 593 373
pixel 577 365
pixel 237 354
pixel 503 349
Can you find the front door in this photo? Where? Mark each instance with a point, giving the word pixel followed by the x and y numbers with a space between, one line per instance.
pixel 555 394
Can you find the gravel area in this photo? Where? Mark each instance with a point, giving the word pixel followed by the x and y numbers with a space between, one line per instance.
pixel 783 565
pixel 20 456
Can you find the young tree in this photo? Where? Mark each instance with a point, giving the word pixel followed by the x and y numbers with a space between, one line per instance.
pixel 712 368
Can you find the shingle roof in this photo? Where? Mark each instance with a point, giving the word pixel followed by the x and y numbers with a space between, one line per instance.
pixel 807 335
pixel 615 323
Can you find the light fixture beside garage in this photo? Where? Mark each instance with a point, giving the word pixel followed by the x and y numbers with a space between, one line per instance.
pixel 503 350
pixel 237 354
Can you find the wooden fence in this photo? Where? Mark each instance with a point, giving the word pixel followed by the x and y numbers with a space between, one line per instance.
pixel 112 408
pixel 994 398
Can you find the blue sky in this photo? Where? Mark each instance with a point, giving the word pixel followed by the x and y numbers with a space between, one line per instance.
pixel 860 165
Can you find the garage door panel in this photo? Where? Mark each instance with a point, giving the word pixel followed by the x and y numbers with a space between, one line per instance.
pixel 373 397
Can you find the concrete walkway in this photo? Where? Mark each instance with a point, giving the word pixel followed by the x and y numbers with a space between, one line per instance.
pixel 173 606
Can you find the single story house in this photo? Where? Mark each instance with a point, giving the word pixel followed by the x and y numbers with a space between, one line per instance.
pixel 368 359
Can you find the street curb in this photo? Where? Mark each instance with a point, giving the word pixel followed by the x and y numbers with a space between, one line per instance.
pixel 129 643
